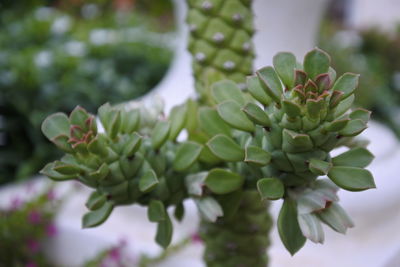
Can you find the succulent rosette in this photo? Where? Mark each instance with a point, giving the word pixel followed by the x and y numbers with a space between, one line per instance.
pixel 282 132
pixel 135 160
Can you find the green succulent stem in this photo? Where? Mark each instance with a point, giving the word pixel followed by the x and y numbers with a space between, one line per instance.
pixel 241 240
pixel 220 42
pixel 221 46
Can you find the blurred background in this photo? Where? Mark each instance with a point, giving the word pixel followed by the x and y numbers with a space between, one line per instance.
pixel 56 54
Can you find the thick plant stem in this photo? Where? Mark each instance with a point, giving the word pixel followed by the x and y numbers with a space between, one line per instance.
pixel 221 45
pixel 242 240
pixel 220 42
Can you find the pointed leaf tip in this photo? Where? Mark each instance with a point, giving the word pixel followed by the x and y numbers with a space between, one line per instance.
pixel 351 178
pixel 288 227
pixel 270 188
pixel 97 217
pixel 316 62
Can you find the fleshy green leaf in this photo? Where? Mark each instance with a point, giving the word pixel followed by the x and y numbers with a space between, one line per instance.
pixel 211 123
pixel 101 173
pixel 353 128
pixel 335 99
pixel 257 156
pixel 256 114
pixel 296 142
pixel 346 83
pixel 164 232
pixel 61 141
pixel 225 148
pixel 192 109
pixel 98 146
pixel 221 181
pixel 132 145
pixel 270 188
pixel 288 227
pixel 316 62
pixel 351 178
pixel 319 167
pixel 49 171
pixel 344 106
pixel 336 218
pixel 314 107
pixel 113 125
pixel 337 125
pixel 177 118
pixel 55 125
pixel 256 90
pixel 231 113
pixel 311 227
pixel 160 134
pixel 291 109
pixel 156 211
pixel 78 116
pixel 97 217
pixel 361 114
pixel 285 64
pixel 130 120
pixel 355 157
pixel 270 82
pixel 209 208
pixel 227 90
pixel 95 201
pixel 179 212
pixel 148 181
pixel 186 155
pixel 66 168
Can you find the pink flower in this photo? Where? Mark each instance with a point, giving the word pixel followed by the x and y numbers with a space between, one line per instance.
pixel 115 254
pixel 16 203
pixel 51 195
pixel 196 238
pixel 33 245
pixel 34 217
pixel 51 230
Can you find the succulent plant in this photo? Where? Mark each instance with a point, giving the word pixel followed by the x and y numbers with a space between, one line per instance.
pixel 299 114
pixel 130 162
pixel 220 42
pixel 267 137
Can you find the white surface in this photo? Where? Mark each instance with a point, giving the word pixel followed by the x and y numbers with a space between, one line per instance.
pixel 285 25
pixel 382 13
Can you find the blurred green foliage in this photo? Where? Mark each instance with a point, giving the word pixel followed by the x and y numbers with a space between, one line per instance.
pixel 52 61
pixel 375 54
